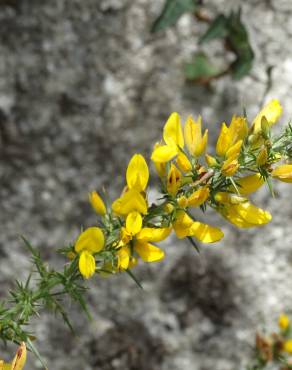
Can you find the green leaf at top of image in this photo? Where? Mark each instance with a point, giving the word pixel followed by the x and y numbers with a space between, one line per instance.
pixel 171 12
pixel 217 29
pixel 200 68
pixel 238 41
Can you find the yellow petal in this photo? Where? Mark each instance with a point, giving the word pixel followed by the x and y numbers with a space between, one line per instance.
pixel 183 162
pixel 199 197
pixel 230 214
pixel 233 152
pixel 205 233
pixel 161 166
pixel 173 180
pixel 251 214
pixel 172 131
pixel 262 157
pixel 272 111
pixel 164 153
pixel 229 167
pixel 182 224
pixel 86 264
pixel 195 143
pixel 211 161
pixel 238 128
pixel 152 234
pixel 97 203
pixel 287 347
pixel 19 359
pixel 130 201
pixel 91 239
pixel 124 257
pixel 148 252
pixel 249 184
pixel 137 173
pixel 134 222
pixel 283 322
pixel 283 172
pixel 224 141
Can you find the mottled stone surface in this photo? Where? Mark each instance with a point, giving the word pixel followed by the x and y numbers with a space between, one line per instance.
pixel 83 86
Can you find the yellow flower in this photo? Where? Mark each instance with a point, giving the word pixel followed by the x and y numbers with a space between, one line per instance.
pixel 195 142
pixel 160 166
pixel 134 222
pixel 137 174
pixel 18 361
pixel 131 200
pixel 185 226
pixel 240 212
pixel 173 180
pixel 283 173
pixel 183 162
pixel 173 137
pixel 271 111
pixel 283 322
pixel 262 157
pixel 97 203
pixel 91 240
pixel 229 167
pixel 211 161
pixel 230 136
pixel 148 252
pixel 86 264
pixel 172 131
pixel 198 197
pixel 249 184
pixel 287 347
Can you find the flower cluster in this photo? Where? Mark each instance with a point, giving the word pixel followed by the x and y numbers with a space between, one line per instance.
pixel 246 156
pixel 275 348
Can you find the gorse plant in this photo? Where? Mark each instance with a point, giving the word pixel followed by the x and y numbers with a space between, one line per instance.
pixel 127 231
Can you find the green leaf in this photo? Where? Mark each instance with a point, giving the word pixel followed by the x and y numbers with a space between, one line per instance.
pixel 238 41
pixel 217 29
pixel 200 68
pixel 171 12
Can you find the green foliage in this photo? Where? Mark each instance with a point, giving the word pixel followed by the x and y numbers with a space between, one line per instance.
pixel 171 12
pixel 200 68
pixel 44 288
pixel 234 32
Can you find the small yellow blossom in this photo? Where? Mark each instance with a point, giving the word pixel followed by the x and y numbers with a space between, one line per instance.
pixel 249 184
pixel 183 162
pixel 173 180
pixel 134 222
pixel 91 240
pixel 160 166
pixel 211 161
pixel 283 322
pixel 283 172
pixel 131 200
pixel 272 111
pixel 198 197
pixel 97 203
pixel 185 226
pixel 173 137
pixel 86 264
pixel 229 167
pixel 195 141
pixel 240 212
pixel 287 347
pixel 262 157
pixel 137 174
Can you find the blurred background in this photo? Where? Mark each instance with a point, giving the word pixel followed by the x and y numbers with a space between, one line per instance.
pixel 83 86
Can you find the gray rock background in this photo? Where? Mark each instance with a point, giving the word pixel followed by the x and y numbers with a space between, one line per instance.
pixel 83 86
